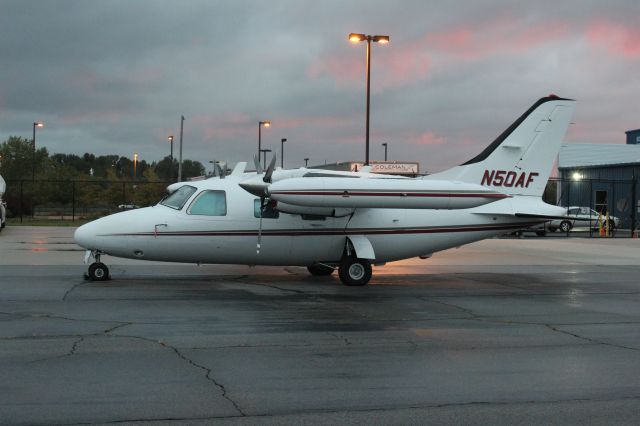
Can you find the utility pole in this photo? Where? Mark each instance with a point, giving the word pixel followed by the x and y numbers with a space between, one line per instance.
pixel 180 159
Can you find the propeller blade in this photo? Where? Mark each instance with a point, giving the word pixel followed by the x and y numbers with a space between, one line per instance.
pixel 256 161
pixel 272 165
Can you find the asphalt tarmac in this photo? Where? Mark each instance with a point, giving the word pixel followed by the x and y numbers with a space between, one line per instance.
pixel 503 332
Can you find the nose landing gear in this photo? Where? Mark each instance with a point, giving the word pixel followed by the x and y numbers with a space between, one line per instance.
pixel 98 271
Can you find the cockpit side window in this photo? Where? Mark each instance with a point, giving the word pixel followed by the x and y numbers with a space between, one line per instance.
pixel 179 197
pixel 209 203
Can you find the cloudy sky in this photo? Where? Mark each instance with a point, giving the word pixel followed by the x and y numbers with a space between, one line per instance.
pixel 114 77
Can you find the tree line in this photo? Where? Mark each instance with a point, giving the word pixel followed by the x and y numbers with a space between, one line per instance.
pixel 88 185
pixel 17 162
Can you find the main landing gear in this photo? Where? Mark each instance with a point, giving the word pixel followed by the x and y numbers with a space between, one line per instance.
pixel 98 271
pixel 354 271
pixel 351 270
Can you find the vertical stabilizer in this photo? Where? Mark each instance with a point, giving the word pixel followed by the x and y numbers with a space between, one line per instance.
pixel 519 161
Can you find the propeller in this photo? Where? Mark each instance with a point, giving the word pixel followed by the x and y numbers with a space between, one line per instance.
pixel 263 192
pixel 267 175
pixel 256 162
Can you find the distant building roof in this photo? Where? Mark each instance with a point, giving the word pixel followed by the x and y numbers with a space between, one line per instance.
pixel 593 155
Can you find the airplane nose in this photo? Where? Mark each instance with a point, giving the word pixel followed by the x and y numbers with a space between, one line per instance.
pixel 85 236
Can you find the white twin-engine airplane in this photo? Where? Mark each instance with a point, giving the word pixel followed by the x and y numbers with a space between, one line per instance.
pixel 346 220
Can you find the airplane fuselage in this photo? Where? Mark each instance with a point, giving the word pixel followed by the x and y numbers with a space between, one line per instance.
pixel 166 234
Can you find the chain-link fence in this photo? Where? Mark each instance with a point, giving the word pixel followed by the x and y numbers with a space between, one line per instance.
pixel 77 200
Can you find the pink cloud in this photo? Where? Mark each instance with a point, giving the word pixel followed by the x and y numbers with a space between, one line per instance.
pixel 616 38
pixel 393 67
pixel 426 138
pixel 401 64
pixel 502 35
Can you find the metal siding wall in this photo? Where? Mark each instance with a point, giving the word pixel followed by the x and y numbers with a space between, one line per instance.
pixel 616 180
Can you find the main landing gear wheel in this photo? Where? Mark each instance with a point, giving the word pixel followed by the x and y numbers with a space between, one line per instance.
pixel 354 272
pixel 319 270
pixel 98 271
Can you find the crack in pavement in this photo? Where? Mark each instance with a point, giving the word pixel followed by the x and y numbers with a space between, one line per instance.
pixel 64 297
pixel 588 339
pixel 341 338
pixel 451 305
pixel 75 345
pixel 207 370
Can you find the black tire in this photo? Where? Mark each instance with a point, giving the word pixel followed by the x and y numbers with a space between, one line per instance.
pixel 98 272
pixel 319 270
pixel 565 226
pixel 354 272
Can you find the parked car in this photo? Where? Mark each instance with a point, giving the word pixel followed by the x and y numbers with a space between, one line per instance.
pixel 581 217
pixel 3 205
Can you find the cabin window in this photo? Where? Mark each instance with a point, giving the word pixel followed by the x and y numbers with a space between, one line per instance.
pixel 268 212
pixel 209 203
pixel 178 198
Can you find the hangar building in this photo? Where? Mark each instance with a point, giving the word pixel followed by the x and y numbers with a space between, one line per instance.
pixel 603 177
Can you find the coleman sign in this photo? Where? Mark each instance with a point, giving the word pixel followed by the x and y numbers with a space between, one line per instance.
pixel 389 168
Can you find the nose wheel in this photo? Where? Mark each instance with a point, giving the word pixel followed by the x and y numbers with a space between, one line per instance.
pixel 98 271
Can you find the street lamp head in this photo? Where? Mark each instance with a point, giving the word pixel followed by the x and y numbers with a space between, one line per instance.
pixel 355 37
pixel 135 156
pixel 38 124
pixel 384 39
pixel 283 140
pixel 265 123
pixel 170 138
pixel 384 144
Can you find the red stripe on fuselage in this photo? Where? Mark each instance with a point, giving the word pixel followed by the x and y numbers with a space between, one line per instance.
pixel 395 194
pixel 305 232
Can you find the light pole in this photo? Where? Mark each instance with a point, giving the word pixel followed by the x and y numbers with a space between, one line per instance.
pixel 355 38
pixel 39 124
pixel 264 153
pixel 306 161
pixel 282 141
pixel 170 138
pixel 135 164
pixel 385 151
pixel 265 123
pixel 180 155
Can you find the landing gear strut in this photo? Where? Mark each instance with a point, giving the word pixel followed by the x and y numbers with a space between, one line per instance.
pixel 98 271
pixel 354 271
pixel 320 270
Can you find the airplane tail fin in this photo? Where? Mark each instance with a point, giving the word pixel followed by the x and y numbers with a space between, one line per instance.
pixel 519 161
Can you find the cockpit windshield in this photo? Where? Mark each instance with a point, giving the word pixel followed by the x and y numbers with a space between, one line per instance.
pixel 179 197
